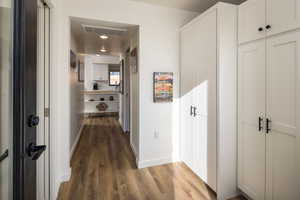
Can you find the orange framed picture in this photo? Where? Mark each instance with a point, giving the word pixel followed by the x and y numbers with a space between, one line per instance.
pixel 163 86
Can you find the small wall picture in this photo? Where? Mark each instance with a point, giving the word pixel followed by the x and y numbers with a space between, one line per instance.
pixel 72 59
pixel 163 86
pixel 81 71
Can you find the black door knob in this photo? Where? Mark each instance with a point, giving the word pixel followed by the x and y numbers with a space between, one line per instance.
pixel 260 29
pixel 33 120
pixel 35 151
pixel 268 27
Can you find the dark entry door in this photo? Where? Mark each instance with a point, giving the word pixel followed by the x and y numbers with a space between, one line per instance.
pixel 25 119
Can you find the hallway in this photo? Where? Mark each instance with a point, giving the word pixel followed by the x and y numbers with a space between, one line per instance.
pixel 103 168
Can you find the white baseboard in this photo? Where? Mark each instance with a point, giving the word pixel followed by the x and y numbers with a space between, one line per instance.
pixel 155 162
pixel 133 149
pixel 76 140
pixel 66 177
pixel 229 196
pixel 135 154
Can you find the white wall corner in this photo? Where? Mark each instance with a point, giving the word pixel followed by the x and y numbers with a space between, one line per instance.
pixel 73 148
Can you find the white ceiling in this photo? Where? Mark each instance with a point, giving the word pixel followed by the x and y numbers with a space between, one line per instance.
pixel 90 43
pixel 191 5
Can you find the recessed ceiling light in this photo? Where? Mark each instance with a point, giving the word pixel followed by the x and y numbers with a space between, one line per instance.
pixel 104 37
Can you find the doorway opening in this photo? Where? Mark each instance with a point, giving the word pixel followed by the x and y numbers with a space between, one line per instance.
pixel 104 96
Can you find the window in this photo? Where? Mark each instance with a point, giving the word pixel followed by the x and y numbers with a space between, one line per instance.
pixel 114 78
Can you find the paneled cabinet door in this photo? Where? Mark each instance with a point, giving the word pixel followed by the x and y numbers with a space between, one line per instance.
pixel 252 20
pixel 251 106
pixel 282 15
pixel 283 109
pixel 187 84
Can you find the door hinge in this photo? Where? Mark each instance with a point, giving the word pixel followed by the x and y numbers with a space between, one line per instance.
pixel 47 112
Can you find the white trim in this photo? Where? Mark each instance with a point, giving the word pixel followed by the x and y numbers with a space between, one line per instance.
pixel 66 177
pixel 76 140
pixel 235 195
pixel 135 153
pixel 155 162
pixel 63 178
pixel 133 149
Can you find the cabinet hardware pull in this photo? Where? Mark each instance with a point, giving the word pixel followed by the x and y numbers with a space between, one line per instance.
pixel 191 111
pixel 260 120
pixel 195 109
pixel 260 29
pixel 268 129
pixel 268 27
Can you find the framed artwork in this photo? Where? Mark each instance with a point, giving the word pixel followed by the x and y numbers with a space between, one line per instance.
pixel 163 87
pixel 72 60
pixel 80 71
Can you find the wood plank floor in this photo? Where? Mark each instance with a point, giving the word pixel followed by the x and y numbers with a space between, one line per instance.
pixel 103 168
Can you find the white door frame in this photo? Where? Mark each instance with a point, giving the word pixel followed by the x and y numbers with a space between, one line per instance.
pixel 43 98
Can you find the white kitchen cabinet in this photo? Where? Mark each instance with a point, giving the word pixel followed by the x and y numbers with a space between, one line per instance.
pixel 282 15
pixel 269 80
pixel 252 20
pixel 208 96
pixel 262 18
pixel 252 140
pixel 283 109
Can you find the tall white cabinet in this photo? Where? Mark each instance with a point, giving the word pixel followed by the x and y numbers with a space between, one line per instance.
pixel 269 102
pixel 208 97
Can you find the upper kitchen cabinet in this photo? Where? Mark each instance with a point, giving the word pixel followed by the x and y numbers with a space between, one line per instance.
pixel 252 20
pixel 282 15
pixel 261 18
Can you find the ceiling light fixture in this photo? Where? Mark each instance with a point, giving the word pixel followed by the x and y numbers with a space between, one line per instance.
pixel 104 37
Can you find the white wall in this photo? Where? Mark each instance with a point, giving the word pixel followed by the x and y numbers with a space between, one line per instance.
pixel 76 100
pixel 100 71
pixel 159 51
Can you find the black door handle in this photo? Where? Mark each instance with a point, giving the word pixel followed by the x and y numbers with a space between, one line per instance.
pixel 4 155
pixel 268 129
pixel 191 110
pixel 268 27
pixel 195 109
pixel 35 151
pixel 260 120
pixel 33 121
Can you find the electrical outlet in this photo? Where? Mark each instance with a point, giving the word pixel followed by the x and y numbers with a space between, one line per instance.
pixel 156 134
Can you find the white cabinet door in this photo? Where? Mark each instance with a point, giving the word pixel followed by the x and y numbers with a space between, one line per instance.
pixel 198 89
pixel 187 84
pixel 283 108
pixel 204 98
pixel 282 15
pixel 251 106
pixel 252 17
